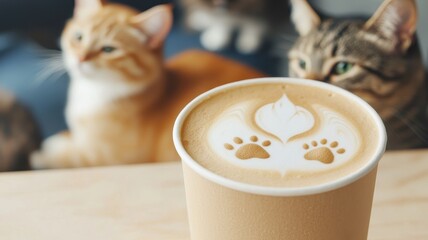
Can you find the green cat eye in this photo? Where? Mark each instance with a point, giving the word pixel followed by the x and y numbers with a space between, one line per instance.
pixel 78 36
pixel 342 67
pixel 302 64
pixel 108 49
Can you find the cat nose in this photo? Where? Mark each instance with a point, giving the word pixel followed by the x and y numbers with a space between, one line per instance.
pixel 83 58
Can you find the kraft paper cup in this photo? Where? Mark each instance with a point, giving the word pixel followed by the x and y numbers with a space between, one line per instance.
pixel 224 209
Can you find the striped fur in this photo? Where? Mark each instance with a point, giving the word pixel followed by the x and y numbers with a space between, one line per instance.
pixel 386 66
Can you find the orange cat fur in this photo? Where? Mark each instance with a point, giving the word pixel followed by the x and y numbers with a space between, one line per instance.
pixel 123 99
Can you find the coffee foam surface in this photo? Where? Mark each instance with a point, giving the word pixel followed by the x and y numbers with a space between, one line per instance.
pixel 282 135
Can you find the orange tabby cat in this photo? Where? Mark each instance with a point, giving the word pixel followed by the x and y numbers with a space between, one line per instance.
pixel 123 99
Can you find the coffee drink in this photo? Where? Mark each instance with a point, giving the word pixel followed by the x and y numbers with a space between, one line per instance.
pixel 279 158
pixel 280 134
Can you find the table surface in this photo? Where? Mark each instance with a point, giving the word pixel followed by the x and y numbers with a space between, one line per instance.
pixel 148 202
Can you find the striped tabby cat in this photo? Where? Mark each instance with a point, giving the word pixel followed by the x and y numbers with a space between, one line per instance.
pixel 19 134
pixel 378 60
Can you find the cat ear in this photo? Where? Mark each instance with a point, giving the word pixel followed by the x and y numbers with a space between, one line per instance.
pixel 304 17
pixel 86 7
pixel 156 23
pixel 394 23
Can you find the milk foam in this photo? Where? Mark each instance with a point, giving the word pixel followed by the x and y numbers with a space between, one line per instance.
pixel 276 118
pixel 281 136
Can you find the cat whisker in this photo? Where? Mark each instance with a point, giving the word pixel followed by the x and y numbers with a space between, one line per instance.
pixel 418 129
pixel 50 62
pixel 391 134
pixel 44 50
pixel 283 47
pixel 417 124
pixel 58 74
pixel 289 38
pixel 51 68
pixel 52 58
pixel 47 53
pixel 278 54
pixel 45 75
pixel 280 50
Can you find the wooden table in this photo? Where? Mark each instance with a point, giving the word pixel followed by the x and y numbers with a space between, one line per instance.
pixel 147 202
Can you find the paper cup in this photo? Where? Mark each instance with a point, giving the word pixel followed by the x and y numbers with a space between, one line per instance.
pixel 224 209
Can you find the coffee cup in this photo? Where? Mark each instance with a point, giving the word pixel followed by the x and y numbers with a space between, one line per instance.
pixel 279 158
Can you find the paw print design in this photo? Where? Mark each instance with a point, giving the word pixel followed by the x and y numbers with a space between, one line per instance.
pixel 250 150
pixel 322 151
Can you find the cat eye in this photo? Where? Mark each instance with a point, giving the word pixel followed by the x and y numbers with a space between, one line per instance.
pixel 302 64
pixel 78 36
pixel 108 49
pixel 342 67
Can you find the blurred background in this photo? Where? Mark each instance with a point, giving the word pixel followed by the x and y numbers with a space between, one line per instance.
pixel 30 30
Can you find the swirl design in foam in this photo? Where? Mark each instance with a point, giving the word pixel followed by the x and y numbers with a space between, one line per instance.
pixel 281 136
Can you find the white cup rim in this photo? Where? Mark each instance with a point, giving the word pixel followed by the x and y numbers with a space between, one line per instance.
pixel 279 191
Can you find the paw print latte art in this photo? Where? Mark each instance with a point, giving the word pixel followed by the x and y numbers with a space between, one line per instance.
pixel 278 135
pixel 322 152
pixel 249 150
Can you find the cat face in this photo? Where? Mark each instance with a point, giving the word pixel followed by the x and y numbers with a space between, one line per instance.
pixel 105 42
pixel 377 60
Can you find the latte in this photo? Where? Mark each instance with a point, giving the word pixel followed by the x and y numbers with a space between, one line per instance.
pixel 280 134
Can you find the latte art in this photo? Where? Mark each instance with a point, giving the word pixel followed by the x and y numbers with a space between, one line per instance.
pixel 274 144
pixel 284 119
